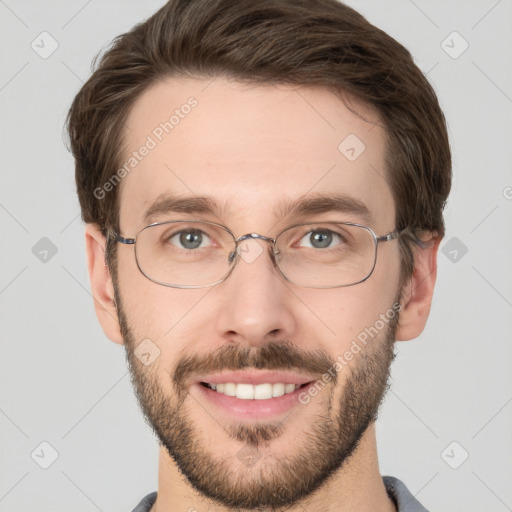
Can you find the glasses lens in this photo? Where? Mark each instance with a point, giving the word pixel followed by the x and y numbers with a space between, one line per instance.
pixel 184 253
pixel 326 255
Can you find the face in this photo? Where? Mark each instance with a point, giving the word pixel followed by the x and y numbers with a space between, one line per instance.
pixel 252 151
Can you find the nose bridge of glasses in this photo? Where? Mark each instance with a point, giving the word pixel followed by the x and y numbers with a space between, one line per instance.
pixel 251 236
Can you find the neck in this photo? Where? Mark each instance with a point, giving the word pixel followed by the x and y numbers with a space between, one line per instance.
pixel 356 486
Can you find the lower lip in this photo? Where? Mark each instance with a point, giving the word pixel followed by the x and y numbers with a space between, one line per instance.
pixel 253 408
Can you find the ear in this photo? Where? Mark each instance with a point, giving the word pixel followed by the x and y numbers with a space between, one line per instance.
pixel 418 291
pixel 101 283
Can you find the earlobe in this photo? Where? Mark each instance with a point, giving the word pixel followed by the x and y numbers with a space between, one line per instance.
pixel 101 283
pixel 418 292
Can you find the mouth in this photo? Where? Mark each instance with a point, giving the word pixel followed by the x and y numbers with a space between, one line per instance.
pixel 246 395
pixel 247 391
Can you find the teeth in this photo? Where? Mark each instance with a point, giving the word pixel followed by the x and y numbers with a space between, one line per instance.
pixel 257 392
pixel 264 391
pixel 245 391
pixel 229 389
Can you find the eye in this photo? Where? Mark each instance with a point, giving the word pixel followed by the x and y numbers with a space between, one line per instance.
pixel 320 239
pixel 190 239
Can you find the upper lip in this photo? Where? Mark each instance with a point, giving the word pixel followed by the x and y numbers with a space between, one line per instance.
pixel 256 377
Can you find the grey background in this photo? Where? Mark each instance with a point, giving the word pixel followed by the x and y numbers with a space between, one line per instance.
pixel 62 382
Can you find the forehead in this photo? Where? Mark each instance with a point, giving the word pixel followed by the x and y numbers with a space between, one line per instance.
pixel 251 150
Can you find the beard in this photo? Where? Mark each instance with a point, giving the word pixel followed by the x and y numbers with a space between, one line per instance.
pixel 267 482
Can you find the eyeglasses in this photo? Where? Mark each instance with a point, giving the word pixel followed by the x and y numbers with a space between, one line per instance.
pixel 199 254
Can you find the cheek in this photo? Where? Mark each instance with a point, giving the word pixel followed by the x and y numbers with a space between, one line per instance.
pixel 349 313
pixel 160 313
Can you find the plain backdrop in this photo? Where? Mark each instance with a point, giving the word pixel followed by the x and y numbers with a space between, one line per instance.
pixel 445 427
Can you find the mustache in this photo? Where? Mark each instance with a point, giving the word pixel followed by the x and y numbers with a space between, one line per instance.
pixel 275 355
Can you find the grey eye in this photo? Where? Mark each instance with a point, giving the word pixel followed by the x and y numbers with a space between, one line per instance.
pixel 319 239
pixel 189 239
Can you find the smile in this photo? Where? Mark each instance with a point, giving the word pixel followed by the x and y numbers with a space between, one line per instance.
pixel 246 391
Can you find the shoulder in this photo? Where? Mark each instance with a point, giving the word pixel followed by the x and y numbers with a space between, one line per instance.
pixel 404 500
pixel 146 503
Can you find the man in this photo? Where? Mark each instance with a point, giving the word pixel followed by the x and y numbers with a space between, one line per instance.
pixel 240 165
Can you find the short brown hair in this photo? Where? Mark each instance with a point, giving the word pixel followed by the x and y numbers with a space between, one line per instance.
pixel 320 43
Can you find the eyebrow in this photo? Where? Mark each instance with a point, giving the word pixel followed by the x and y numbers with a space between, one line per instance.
pixel 317 204
pixel 311 205
pixel 168 203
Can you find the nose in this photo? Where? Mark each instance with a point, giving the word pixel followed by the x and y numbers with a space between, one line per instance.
pixel 254 303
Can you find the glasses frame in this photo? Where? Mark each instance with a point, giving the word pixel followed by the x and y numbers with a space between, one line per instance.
pixel 235 255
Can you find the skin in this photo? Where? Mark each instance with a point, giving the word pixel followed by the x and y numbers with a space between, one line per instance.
pixel 250 147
